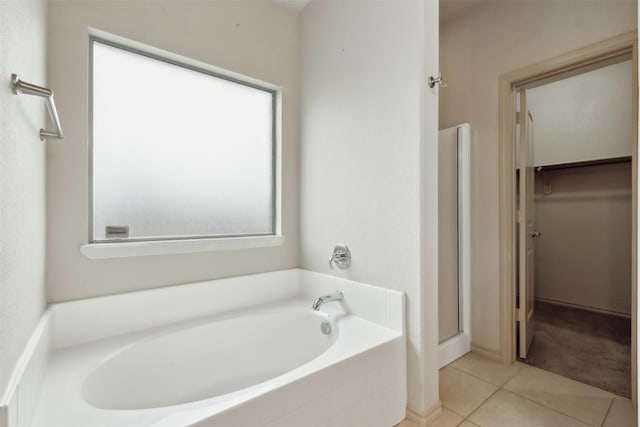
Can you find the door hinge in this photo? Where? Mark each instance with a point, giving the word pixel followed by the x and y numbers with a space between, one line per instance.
pixel 517 117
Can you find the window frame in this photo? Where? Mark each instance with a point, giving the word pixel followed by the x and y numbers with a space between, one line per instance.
pixel 161 245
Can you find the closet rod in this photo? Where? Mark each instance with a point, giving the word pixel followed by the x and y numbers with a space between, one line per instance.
pixel 21 87
pixel 587 163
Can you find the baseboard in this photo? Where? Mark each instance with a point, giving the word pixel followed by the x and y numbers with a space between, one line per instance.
pixel 423 420
pixel 486 353
pixel 584 307
pixel 21 395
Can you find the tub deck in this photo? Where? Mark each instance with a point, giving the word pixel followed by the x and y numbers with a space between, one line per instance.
pixel 364 368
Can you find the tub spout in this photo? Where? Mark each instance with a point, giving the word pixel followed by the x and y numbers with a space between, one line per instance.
pixel 336 296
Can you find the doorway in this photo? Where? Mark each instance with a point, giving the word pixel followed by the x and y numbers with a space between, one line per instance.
pixel 574 224
pixel 520 172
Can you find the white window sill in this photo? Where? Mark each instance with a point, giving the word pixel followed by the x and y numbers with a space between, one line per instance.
pixel 167 247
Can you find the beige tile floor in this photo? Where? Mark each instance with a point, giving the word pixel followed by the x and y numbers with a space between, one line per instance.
pixel 475 391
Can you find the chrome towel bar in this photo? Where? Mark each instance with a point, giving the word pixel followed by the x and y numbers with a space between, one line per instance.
pixel 20 87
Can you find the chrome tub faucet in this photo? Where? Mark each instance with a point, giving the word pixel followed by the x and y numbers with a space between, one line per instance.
pixel 336 296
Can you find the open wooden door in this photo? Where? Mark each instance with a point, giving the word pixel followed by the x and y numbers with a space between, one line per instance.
pixel 526 229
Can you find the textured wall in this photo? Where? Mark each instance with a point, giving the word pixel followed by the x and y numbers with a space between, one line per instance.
pixel 477 46
pixel 22 179
pixel 583 256
pixel 366 122
pixel 584 117
pixel 254 38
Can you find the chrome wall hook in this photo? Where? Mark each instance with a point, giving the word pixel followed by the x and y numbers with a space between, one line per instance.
pixel 432 81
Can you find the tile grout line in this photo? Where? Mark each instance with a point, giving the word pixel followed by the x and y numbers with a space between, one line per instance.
pixel 551 409
pixel 449 409
pixel 613 396
pixel 462 422
pixel 599 389
pixel 607 414
pixel 478 378
pixel 498 387
pixel 519 370
pixel 480 405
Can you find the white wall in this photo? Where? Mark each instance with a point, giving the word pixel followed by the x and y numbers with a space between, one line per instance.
pixel 490 39
pixel 23 29
pixel 368 132
pixel 583 117
pixel 583 256
pixel 255 38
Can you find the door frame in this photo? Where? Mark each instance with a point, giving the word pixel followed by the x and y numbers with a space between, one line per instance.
pixel 624 44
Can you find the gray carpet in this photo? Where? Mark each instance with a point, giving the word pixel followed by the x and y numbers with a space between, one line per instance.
pixel 589 347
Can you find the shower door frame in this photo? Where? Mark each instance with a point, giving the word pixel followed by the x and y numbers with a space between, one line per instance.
pixel 625 44
pixel 460 344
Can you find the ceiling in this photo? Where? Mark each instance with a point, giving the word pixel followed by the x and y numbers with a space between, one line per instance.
pixel 448 8
pixel 293 5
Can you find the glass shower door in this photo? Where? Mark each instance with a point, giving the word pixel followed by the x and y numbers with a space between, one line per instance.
pixel 449 292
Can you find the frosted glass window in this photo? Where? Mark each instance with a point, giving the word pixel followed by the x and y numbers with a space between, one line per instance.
pixel 178 152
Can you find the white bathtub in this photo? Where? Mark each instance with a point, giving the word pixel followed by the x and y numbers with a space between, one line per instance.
pixel 266 365
pixel 210 358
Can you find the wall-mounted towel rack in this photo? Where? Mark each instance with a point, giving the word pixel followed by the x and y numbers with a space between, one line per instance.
pixel 20 87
